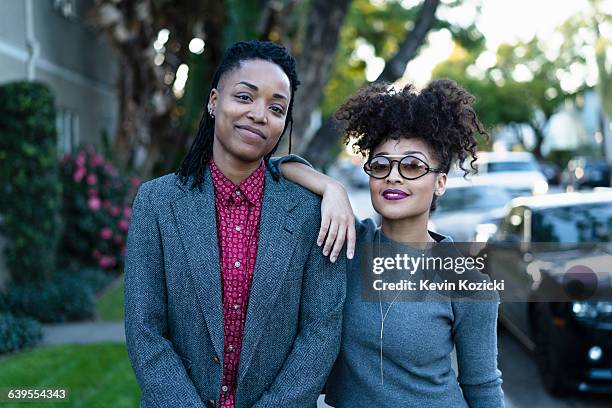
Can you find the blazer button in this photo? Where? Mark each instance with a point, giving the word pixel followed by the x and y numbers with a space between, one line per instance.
pixel 211 403
pixel 216 359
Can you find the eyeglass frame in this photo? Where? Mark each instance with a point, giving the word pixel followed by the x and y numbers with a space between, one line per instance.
pixel 428 168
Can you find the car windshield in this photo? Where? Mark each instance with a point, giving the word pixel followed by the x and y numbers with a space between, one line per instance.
pixel 584 223
pixel 495 167
pixel 472 198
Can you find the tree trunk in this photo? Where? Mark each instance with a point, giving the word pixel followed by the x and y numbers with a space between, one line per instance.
pixel 148 116
pixel 320 151
pixel 315 63
pixel 538 132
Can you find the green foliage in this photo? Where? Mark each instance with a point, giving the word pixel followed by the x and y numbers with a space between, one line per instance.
pixel 65 298
pixel 585 39
pixel 543 91
pixel 29 183
pixel 96 210
pixel 520 88
pixel 381 25
pixel 243 21
pixel 346 76
pixel 18 333
pixel 384 26
pixel 496 104
pixel 95 279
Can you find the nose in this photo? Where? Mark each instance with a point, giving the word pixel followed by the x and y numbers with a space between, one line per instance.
pixel 257 113
pixel 394 176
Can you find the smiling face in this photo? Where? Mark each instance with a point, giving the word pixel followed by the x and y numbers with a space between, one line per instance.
pixel 250 108
pixel 396 198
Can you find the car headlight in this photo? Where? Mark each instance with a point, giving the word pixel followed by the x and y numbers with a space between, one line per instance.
pixel 540 187
pixel 600 311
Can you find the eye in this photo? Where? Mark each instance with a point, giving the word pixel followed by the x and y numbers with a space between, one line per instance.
pixel 413 163
pixel 277 109
pixel 244 97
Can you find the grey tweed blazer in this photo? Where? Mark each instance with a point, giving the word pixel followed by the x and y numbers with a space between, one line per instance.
pixel 173 299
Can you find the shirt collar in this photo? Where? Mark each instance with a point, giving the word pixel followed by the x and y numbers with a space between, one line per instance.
pixel 250 189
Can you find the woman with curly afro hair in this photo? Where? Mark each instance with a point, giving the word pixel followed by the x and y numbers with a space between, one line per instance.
pixel 397 353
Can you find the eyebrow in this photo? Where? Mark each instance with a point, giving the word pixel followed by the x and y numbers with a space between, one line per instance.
pixel 255 88
pixel 403 153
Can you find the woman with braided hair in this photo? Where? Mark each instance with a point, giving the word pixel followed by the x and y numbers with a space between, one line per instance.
pixel 394 353
pixel 228 301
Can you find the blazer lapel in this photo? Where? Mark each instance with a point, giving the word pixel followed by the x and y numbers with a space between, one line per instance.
pixel 275 247
pixel 196 218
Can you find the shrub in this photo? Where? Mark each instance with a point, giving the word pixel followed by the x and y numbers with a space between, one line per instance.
pixel 29 185
pixel 3 303
pixel 94 279
pixel 96 210
pixel 18 333
pixel 65 298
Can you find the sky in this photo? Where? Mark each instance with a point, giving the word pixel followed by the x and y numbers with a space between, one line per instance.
pixel 501 21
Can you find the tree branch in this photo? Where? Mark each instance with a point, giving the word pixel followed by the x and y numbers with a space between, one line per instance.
pixel 425 20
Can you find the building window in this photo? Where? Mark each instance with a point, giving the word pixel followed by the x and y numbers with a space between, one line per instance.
pixel 67 8
pixel 67 123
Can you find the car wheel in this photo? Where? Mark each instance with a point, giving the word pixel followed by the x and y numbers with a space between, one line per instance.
pixel 547 355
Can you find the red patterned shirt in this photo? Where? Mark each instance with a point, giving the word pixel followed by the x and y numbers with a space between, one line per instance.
pixel 238 209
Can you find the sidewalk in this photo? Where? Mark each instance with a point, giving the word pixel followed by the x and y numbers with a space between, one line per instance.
pixel 83 333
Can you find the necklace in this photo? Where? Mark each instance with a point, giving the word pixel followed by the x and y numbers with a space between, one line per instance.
pixel 383 316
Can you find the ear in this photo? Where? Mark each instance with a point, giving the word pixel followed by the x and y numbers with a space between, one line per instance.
pixel 212 100
pixel 440 186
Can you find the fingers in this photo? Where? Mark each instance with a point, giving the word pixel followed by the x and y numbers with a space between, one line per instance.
pixel 351 239
pixel 325 221
pixel 331 237
pixel 338 243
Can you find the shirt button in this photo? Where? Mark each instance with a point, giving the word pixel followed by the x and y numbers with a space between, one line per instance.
pixel 236 306
pixel 230 347
pixel 238 192
pixel 238 227
pixel 224 388
pixel 216 359
pixel 237 264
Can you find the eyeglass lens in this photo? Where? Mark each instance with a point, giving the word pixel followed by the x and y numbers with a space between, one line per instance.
pixel 409 167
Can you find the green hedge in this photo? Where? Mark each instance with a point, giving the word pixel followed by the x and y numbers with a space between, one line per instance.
pixel 29 184
pixel 66 297
pixel 18 333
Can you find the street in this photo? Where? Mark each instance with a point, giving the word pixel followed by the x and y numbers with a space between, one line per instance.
pixel 522 385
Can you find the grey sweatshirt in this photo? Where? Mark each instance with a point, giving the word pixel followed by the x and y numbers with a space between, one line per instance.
pixel 417 344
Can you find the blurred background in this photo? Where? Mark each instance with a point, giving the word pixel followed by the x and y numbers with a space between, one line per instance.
pixel 98 96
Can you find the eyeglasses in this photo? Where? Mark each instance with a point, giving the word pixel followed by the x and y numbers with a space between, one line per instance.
pixel 409 167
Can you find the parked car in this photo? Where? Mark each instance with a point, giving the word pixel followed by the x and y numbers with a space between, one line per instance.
pixel 359 178
pixel 464 205
pixel 571 339
pixel 583 172
pixel 552 172
pixel 517 172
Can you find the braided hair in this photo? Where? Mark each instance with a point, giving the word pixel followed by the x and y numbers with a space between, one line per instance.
pixel 200 153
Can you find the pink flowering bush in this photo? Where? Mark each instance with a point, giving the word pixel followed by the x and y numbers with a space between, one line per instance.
pixel 96 210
